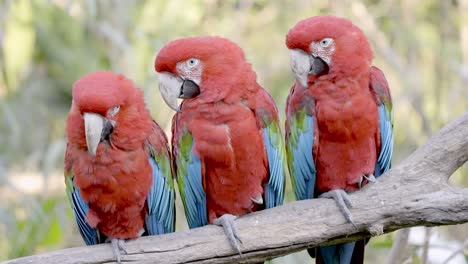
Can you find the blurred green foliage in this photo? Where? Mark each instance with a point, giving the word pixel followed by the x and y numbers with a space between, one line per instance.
pixel 47 45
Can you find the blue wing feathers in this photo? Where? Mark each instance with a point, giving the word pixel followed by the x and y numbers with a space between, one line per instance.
pixel 195 197
pixel 160 200
pixel 386 135
pixel 303 162
pixel 379 87
pixel 339 253
pixel 274 190
pixel 80 209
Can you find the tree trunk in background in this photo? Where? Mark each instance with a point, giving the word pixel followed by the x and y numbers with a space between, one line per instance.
pixel 399 252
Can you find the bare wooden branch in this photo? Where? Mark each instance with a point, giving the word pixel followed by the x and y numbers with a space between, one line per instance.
pixel 414 193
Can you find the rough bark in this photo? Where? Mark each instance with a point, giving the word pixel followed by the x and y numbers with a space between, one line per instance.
pixel 414 193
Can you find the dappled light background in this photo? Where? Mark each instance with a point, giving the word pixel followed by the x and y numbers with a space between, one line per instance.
pixel 422 46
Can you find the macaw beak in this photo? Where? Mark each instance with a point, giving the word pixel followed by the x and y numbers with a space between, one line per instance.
pixel 303 65
pixel 97 128
pixel 174 87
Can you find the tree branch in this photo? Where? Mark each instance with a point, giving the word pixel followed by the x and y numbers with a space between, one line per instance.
pixel 414 193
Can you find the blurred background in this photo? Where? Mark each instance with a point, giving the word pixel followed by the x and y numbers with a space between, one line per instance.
pixel 422 46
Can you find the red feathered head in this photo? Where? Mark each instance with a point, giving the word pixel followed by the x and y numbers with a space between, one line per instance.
pixel 333 45
pixel 107 107
pixel 211 68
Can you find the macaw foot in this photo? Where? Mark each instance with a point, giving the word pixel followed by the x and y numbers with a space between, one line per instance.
pixel 368 177
pixel 342 201
pixel 230 229
pixel 117 246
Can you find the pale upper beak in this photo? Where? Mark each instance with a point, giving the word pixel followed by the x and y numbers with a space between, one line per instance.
pixel 303 65
pixel 300 65
pixel 97 128
pixel 174 87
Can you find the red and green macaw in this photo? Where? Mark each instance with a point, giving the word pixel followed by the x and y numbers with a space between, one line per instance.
pixel 339 127
pixel 117 163
pixel 227 145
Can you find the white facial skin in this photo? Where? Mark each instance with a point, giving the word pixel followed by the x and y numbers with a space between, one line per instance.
pixel 301 61
pixel 323 49
pixel 170 85
pixel 190 69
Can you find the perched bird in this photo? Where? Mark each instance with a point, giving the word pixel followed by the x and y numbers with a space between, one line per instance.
pixel 117 163
pixel 227 145
pixel 339 127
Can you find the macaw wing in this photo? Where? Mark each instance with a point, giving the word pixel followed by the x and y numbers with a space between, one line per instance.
pixel 299 148
pixel 379 88
pixel 189 175
pixel 267 117
pixel 274 190
pixel 160 200
pixel 80 209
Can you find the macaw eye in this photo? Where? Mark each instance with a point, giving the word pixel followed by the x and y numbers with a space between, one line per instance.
pixel 326 42
pixel 113 111
pixel 192 62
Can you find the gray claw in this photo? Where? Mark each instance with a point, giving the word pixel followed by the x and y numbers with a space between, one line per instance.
pixel 121 245
pixel 230 229
pixel 258 200
pixel 370 178
pixel 117 246
pixel 342 201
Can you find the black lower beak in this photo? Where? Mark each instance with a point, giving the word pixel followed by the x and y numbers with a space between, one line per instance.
pixel 189 90
pixel 107 130
pixel 318 66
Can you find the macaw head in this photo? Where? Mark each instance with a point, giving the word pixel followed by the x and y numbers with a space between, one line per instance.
pixel 324 45
pixel 106 107
pixel 210 68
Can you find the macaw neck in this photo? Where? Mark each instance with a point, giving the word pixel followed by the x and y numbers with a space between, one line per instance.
pixel 339 87
pixel 232 87
pixel 343 67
